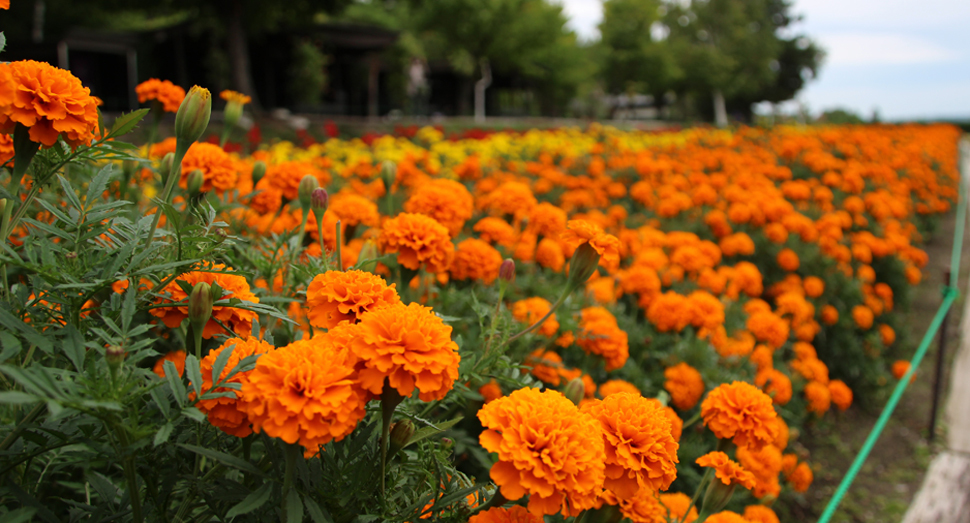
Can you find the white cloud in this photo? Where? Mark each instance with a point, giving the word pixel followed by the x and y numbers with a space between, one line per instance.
pixel 874 14
pixel 584 17
pixel 872 49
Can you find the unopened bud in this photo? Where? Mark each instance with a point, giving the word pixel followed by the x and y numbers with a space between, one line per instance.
pixel 447 443
pixel 388 174
pixel 507 270
pixel 582 265
pixel 305 191
pixel 115 356
pixel 319 200
pixel 194 182
pixel 717 496
pixel 192 117
pixel 401 433
pixel 232 113
pixel 165 168
pixel 259 170
pixel 575 390
pixel 200 306
pixel 221 235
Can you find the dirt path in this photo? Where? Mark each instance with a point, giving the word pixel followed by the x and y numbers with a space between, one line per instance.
pixel 894 471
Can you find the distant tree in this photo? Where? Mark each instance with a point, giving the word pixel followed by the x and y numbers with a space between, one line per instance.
pixel 733 49
pixel 635 53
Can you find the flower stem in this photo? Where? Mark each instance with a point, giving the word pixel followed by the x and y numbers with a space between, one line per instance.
pixel 697 493
pixel 340 259
pixel 542 320
pixel 173 176
pixel 390 399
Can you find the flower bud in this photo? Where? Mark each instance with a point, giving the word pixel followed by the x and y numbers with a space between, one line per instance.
pixel 506 271
pixel 305 191
pixel 194 182
pixel 388 174
pixel 717 496
pixel 232 113
pixel 319 200
pixel 401 433
pixel 193 116
pixel 582 265
pixel 259 170
pixel 115 356
pixel 165 168
pixel 200 306
pixel 575 390
pixel 447 443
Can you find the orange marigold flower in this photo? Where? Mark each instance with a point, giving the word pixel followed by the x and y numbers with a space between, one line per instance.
pixel 670 311
pixel 233 96
pixel 226 412
pixel 353 209
pixel 775 384
pixel 640 451
pixel 726 516
pixel 530 310
pixel 676 505
pixel 514 514
pixel 338 296
pixel 408 346
pixel 546 448
pixel 887 334
pixel 841 394
pixel 644 507
pixel 765 464
pixel 830 315
pixel 490 391
pixel 741 412
pixel 304 393
pixel 617 386
pixel 862 316
pixel 476 260
pixel 769 328
pixel 233 286
pixel 814 287
pixel 684 384
pixel 706 310
pixel 549 255
pixel 176 356
pixel 601 335
pixel 607 246
pixel 788 260
pixel 447 201
pixel 545 365
pixel 418 240
pixel 818 396
pixel 496 230
pixel 900 368
pixel 164 91
pixel 218 169
pixel 547 220
pixel 726 470
pixel 51 102
pixel 286 176
pixel 801 478
pixel 760 514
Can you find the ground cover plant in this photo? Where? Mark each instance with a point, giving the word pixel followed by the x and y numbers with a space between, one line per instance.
pixel 565 324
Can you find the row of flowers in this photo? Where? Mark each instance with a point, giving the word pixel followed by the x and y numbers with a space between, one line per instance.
pixel 666 295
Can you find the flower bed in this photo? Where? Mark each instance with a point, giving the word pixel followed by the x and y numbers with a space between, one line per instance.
pixel 503 327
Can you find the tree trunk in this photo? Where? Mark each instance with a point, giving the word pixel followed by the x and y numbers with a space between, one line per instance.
pixel 480 87
pixel 720 111
pixel 242 78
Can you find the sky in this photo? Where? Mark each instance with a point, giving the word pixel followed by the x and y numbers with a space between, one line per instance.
pixel 906 59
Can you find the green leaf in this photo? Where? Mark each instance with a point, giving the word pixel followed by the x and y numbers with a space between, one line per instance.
pixel 427 432
pixel 3 44
pixel 294 507
pixel 253 501
pixel 194 372
pixel 161 401
pixel 175 382
pixel 317 514
pixel 13 323
pixel 14 397
pixel 127 122
pixel 163 433
pixel 193 413
pixel 69 192
pixel 21 514
pixel 226 459
pixel 73 346
pixel 11 346
pixel 97 185
pixel 220 363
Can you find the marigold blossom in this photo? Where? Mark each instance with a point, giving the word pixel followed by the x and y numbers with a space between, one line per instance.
pixel 742 413
pixel 338 296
